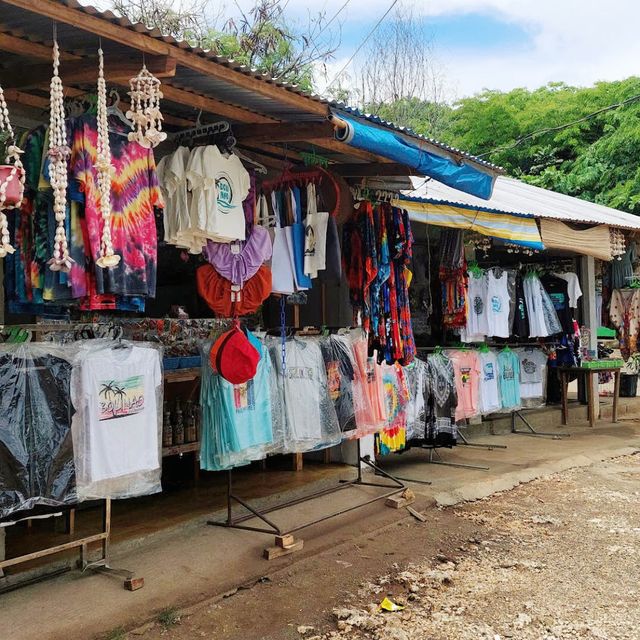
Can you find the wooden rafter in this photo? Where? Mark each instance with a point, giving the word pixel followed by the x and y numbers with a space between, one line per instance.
pixel 284 131
pixel 372 169
pixel 84 71
pixel 29 48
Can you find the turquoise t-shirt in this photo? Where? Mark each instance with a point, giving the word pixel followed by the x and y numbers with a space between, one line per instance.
pixel 509 379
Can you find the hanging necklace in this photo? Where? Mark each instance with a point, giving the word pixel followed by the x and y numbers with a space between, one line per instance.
pixel 145 110
pixel 104 168
pixel 11 186
pixel 59 154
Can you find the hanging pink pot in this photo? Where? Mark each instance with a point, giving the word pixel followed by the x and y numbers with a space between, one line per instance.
pixel 13 195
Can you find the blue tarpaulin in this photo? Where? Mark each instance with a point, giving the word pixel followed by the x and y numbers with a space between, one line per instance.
pixel 390 144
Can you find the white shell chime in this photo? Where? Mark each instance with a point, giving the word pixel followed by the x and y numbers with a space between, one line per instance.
pixel 15 174
pixel 104 168
pixel 618 243
pixel 59 153
pixel 145 110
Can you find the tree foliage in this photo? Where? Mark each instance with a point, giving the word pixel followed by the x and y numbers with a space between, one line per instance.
pixel 596 159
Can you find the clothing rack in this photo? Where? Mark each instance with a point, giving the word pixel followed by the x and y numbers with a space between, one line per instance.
pixel 131 583
pixel 284 536
pixel 530 430
pixel 199 131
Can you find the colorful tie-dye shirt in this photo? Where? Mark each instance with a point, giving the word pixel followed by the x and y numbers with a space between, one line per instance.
pixel 134 195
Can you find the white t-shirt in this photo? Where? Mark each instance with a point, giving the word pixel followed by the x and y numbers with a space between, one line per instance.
pixel 477 327
pixel 489 392
pixel 497 304
pixel 119 408
pixel 574 290
pixel 172 177
pixel 315 235
pixel 219 185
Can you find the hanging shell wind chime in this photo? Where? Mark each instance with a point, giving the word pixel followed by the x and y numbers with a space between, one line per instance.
pixel 59 154
pixel 145 110
pixel 12 178
pixel 104 168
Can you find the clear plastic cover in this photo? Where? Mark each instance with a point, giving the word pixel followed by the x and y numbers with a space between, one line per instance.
pixel 240 423
pixel 311 421
pixel 533 377
pixel 340 366
pixel 117 390
pixel 368 390
pixel 36 448
pixel 417 378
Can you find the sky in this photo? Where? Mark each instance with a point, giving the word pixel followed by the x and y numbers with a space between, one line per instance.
pixel 503 44
pixel 496 44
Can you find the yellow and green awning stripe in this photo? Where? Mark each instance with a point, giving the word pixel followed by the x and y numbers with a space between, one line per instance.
pixel 510 227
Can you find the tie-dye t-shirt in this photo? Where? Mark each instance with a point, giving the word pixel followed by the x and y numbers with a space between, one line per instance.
pixel 134 195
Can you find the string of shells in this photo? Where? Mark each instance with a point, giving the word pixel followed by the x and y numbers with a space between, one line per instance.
pixel 59 153
pixel 516 248
pixel 105 171
pixel 618 243
pixel 11 180
pixel 145 111
pixel 479 242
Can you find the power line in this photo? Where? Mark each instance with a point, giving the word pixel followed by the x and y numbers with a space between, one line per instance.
pixel 357 51
pixel 540 132
pixel 335 15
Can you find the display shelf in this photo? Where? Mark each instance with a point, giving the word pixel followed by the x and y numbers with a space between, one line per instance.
pixel 179 449
pixel 182 375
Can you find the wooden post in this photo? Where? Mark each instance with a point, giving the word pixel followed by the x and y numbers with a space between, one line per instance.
pixel 591 321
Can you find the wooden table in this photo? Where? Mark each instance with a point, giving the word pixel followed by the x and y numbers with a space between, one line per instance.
pixel 592 399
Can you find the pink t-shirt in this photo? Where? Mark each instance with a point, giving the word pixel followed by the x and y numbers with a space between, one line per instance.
pixel 467 377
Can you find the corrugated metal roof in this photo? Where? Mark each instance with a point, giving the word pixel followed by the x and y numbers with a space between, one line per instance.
pixel 16 19
pixel 515 196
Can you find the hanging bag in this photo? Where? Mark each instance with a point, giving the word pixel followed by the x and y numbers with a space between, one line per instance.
pixel 281 259
pixel 297 236
pixel 315 242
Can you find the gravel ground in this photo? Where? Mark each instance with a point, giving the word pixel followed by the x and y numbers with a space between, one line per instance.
pixel 556 559
pixel 562 561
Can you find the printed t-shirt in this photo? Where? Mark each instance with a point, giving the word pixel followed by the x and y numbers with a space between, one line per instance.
pixel 558 290
pixel 489 393
pixel 532 365
pixel 477 326
pixel 119 411
pixel 338 361
pixel 172 177
pixel 497 304
pixel 467 380
pixel 134 194
pixel 509 379
pixel 218 185
pixel 368 392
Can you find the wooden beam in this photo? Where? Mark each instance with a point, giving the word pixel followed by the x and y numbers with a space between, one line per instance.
pixel 284 131
pixel 85 71
pixel 30 49
pixel 372 169
pixel 211 105
pixel 57 11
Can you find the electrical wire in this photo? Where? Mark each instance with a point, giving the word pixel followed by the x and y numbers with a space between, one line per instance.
pixel 357 51
pixel 540 132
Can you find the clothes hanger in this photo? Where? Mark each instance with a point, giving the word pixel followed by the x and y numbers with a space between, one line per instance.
pixel 114 110
pixel 484 348
pixel 260 168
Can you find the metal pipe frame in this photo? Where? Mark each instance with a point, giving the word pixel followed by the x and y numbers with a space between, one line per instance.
pixel 433 451
pixel 532 431
pixel 479 445
pixel 232 522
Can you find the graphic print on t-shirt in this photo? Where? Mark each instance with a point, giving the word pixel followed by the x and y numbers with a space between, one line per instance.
pixel 299 373
pixel 244 396
pixel 478 305
pixel 224 192
pixel 488 371
pixel 496 304
pixel 121 398
pixel 529 366
pixel 507 372
pixel 465 374
pixel 333 379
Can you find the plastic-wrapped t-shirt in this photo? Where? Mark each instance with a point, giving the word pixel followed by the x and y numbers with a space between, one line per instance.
pixel 310 416
pixel 509 379
pixel 242 422
pixel 340 366
pixel 117 391
pixel 36 451
pixel 393 437
pixel 416 374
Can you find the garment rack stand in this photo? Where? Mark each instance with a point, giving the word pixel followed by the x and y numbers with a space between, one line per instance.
pixel 284 536
pixel 478 445
pixel 531 431
pixel 101 565
pixel 433 453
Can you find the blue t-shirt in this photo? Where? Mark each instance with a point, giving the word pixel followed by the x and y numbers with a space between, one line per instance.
pixel 509 379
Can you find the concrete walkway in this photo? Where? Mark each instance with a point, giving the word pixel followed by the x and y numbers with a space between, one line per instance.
pixel 196 562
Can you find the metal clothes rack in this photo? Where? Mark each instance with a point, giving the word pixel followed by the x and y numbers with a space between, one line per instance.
pixel 235 522
pixel 531 431
pixel 101 564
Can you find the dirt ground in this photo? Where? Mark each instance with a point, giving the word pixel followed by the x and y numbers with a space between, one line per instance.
pixel 558 558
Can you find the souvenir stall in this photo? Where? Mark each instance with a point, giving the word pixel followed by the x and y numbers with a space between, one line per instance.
pixel 169 226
